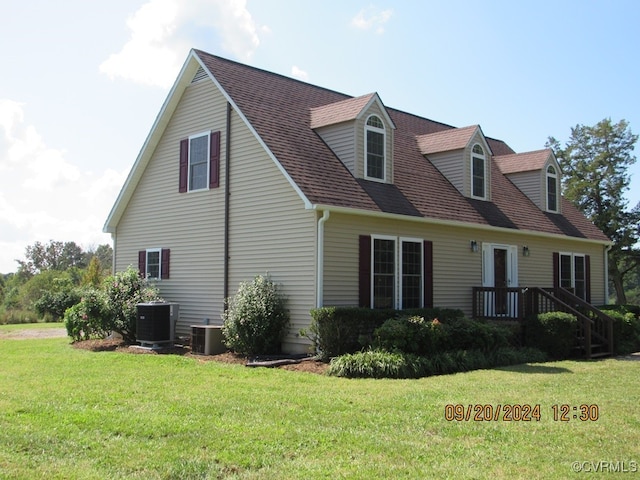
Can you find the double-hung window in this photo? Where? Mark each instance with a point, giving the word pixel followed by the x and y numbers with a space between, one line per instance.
pixel 397 273
pixel 199 161
pixel 573 273
pixel 478 172
pixel 375 149
pixel 153 263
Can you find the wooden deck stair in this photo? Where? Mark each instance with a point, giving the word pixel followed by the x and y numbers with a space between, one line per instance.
pixel 594 335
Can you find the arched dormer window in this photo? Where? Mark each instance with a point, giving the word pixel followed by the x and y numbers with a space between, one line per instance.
pixel 375 165
pixel 478 172
pixel 552 189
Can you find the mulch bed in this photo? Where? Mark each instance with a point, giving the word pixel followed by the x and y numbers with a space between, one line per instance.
pixel 116 345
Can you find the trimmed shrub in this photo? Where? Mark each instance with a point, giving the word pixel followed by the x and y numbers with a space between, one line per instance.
pixel 380 363
pixel 465 334
pixel 418 336
pixel 124 291
pixel 256 318
pixel 410 335
pixel 340 330
pixel 554 333
pixel 626 328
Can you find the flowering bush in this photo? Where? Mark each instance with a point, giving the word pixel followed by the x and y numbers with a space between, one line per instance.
pixel 256 318
pixel 124 291
pixel 87 319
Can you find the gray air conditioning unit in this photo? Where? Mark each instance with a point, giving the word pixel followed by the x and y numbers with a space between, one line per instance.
pixel 156 324
pixel 207 340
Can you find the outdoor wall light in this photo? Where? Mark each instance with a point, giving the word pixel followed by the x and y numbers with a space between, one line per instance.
pixel 525 251
pixel 474 246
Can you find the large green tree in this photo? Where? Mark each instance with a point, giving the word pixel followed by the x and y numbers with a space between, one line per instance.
pixel 595 162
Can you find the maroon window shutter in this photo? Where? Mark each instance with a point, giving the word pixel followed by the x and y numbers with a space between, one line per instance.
pixel 364 270
pixel 142 263
pixel 428 273
pixel 184 165
pixel 587 278
pixel 214 160
pixel 556 270
pixel 164 263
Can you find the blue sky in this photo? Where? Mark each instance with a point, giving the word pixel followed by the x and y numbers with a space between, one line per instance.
pixel 82 81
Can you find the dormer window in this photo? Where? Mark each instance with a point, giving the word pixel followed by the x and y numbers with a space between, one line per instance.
pixel 478 172
pixel 375 148
pixel 552 189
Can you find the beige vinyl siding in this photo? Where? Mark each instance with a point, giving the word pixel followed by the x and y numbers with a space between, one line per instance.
pixel 450 164
pixel 270 231
pixel 189 224
pixel 341 139
pixel 456 269
pixel 532 185
pixel 374 109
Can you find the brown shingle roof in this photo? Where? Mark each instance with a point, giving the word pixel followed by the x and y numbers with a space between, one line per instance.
pixel 523 162
pixel 445 141
pixel 338 112
pixel 280 109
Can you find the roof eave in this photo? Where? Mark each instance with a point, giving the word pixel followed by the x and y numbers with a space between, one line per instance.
pixel 452 223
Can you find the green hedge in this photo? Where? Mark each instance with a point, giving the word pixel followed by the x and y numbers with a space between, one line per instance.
pixel 379 363
pixel 340 330
pixel 420 336
pixel 554 333
pixel 626 327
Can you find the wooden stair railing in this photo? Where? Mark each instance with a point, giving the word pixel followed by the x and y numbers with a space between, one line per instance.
pixel 601 327
pixel 593 324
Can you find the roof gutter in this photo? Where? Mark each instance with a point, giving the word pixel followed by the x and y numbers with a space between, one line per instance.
pixel 450 223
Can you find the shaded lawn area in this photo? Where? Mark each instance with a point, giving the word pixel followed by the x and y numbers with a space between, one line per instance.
pixel 69 413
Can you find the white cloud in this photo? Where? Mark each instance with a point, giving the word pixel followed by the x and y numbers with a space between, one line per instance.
pixel 162 31
pixel 299 73
pixel 43 196
pixel 371 18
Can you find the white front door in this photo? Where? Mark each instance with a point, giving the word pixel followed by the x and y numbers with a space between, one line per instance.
pixel 500 272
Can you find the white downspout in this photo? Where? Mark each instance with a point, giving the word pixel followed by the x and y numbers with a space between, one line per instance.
pixel 606 273
pixel 320 261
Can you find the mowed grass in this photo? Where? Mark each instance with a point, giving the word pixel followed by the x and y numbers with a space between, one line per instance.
pixel 73 414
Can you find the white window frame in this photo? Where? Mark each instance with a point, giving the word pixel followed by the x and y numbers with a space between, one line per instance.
pixel 207 162
pixel 147 263
pixel 555 176
pixel 482 157
pixel 397 267
pixel 420 242
pixel 573 257
pixel 371 128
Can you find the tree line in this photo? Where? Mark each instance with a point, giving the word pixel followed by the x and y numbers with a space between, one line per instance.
pixel 46 275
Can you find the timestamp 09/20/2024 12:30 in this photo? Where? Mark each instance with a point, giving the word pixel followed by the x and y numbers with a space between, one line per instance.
pixel 519 412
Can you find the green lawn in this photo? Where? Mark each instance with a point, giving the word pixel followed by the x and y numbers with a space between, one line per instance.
pixel 67 413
